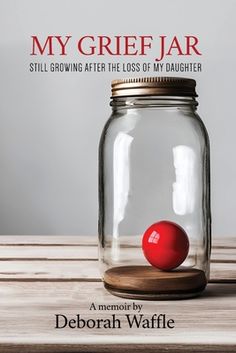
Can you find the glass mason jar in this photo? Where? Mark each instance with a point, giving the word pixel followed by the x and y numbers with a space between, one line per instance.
pixel 154 182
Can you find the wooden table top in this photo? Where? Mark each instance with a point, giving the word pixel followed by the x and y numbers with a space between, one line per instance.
pixel 41 276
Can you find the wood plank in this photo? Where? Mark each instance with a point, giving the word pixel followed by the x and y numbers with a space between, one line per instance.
pixel 83 270
pixel 209 320
pixel 85 249
pixel 48 240
pixel 78 252
pixel 223 255
pixel 223 272
pixel 221 242
pixel 65 262
pixel 58 270
pixel 117 347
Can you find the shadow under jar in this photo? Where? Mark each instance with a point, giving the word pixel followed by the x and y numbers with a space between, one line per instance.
pixel 154 166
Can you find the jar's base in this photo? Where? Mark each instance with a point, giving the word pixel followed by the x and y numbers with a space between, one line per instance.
pixel 151 296
pixel 149 283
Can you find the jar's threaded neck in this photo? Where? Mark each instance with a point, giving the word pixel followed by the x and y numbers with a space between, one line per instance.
pixel 153 101
pixel 154 86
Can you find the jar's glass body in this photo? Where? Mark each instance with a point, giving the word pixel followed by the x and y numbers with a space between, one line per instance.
pixel 153 165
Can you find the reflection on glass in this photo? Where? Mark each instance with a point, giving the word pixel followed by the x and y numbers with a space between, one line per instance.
pixel 184 187
pixel 121 164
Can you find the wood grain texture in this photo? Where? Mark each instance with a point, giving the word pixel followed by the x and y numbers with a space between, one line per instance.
pixel 76 270
pixel 28 317
pixel 148 279
pixel 117 347
pixel 61 258
pixel 44 252
pixel 82 251
pixel 41 276
pixel 62 240
pixel 83 269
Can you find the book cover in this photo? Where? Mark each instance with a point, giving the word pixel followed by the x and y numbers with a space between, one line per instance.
pixel 117 176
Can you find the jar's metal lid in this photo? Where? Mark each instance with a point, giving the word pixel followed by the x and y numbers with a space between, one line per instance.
pixel 154 86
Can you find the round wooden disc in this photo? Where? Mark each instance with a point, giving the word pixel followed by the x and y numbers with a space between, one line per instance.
pixel 148 279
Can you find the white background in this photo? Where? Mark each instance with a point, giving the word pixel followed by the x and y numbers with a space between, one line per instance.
pixel 50 123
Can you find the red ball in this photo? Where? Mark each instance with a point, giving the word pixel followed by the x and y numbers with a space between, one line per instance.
pixel 165 245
